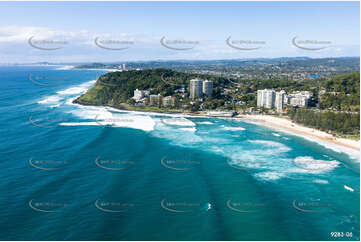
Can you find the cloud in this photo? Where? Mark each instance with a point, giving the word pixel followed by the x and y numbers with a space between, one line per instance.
pixel 80 47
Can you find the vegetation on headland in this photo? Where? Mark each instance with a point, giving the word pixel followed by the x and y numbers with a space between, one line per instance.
pixel 334 107
pixel 116 89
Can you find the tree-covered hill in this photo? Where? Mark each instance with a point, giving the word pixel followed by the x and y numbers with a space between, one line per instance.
pixel 342 93
pixel 116 88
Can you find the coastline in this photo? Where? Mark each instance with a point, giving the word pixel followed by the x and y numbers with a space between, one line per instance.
pixel 348 146
pixel 285 125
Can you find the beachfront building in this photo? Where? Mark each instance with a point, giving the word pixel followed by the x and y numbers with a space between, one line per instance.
pixel 300 99
pixel 168 101
pixel 280 101
pixel 266 98
pixel 207 87
pixel 140 94
pixel 155 100
pixel 195 87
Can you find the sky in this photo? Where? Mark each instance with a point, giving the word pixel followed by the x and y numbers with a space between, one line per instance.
pixel 136 31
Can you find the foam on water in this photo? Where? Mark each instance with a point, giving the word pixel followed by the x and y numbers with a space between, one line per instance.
pixel 178 122
pixel 103 116
pixel 205 122
pixel 80 124
pixel 61 96
pixel 55 105
pixel 269 175
pixel 316 166
pixel 320 181
pixel 234 128
pixel 189 129
pixel 50 100
pixel 100 115
pixel 176 135
pixel 275 146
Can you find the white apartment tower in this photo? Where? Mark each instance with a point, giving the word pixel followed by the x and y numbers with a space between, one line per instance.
pixel 195 87
pixel 266 98
pixel 280 100
pixel 207 87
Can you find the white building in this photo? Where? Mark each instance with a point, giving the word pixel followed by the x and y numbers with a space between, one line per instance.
pixel 207 87
pixel 266 98
pixel 195 86
pixel 140 94
pixel 260 98
pixel 280 101
pixel 300 99
pixel 168 101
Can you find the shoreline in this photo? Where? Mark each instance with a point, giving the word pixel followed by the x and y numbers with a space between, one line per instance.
pixel 285 125
pixel 348 146
pixel 269 121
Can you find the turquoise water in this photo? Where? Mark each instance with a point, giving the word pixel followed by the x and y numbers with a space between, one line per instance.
pixel 70 172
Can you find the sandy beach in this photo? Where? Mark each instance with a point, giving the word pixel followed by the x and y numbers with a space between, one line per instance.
pixel 287 125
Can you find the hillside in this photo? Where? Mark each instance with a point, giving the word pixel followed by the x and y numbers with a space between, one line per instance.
pixel 116 88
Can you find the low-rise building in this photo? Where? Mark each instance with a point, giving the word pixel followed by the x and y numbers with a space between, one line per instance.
pixel 168 101
pixel 155 100
pixel 300 98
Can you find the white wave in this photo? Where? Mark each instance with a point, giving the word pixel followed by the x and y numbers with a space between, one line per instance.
pixel 205 122
pixel 320 181
pixel 176 135
pixel 178 122
pixel 353 154
pixel 62 95
pixel 102 116
pixel 82 88
pixel 91 112
pixel 275 134
pixel 316 166
pixel 72 90
pixel 50 100
pixel 145 123
pixel 189 129
pixel 234 128
pixel 275 146
pixel 80 124
pixel 269 175
pixel 55 105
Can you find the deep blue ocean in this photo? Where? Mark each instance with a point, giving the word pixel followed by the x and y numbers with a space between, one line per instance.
pixel 71 172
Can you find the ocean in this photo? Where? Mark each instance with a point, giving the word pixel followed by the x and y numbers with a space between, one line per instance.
pixel 71 172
